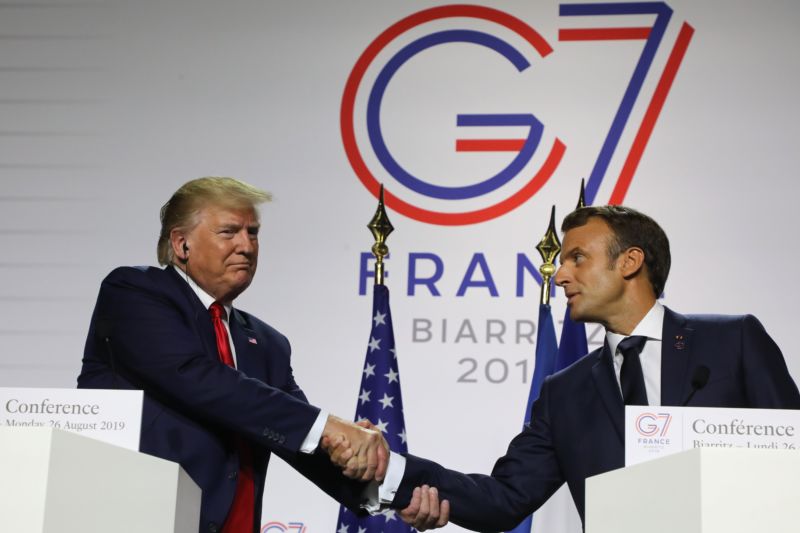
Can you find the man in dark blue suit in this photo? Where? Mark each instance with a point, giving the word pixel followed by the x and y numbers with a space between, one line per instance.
pixel 614 264
pixel 220 396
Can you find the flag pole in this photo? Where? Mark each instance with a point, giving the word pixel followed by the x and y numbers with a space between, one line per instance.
pixel 548 247
pixel 380 228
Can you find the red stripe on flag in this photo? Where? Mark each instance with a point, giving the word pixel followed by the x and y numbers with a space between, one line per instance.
pixel 651 115
pixel 489 145
pixel 603 34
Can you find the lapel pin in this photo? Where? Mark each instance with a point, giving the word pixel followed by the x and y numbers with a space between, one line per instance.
pixel 679 344
pixel 252 340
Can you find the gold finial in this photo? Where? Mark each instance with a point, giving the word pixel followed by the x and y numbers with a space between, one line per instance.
pixel 582 197
pixel 548 247
pixel 380 228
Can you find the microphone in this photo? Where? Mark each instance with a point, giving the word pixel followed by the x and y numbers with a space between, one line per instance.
pixel 699 380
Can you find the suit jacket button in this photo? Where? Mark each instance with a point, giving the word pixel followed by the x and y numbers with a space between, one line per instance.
pixel 232 475
pixel 213 527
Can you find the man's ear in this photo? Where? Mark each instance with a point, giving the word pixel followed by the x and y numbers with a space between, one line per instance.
pixel 631 261
pixel 180 247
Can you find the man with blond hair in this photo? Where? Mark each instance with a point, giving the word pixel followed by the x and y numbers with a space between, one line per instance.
pixel 220 396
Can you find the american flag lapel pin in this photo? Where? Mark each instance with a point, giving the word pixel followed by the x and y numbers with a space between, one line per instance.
pixel 679 343
pixel 252 340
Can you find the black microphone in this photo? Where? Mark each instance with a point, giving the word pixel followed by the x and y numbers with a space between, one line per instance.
pixel 699 380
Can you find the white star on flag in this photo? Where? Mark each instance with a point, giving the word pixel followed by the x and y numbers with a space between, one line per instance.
pixel 392 375
pixel 380 318
pixel 369 370
pixel 382 425
pixel 342 529
pixel 402 435
pixel 389 514
pixel 364 397
pixel 374 344
pixel 386 401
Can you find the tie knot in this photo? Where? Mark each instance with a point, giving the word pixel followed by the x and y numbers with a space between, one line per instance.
pixel 217 311
pixel 632 345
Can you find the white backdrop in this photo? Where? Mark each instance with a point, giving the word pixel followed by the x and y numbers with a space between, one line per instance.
pixel 107 107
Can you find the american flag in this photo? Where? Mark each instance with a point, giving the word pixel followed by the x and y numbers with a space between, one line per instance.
pixel 380 401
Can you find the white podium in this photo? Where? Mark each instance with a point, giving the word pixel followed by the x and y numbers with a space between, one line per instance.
pixel 712 490
pixel 55 481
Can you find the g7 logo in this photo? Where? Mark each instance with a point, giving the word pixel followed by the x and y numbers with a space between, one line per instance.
pixel 652 424
pixel 433 198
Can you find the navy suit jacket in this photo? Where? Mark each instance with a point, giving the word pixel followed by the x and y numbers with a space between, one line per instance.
pixel 149 331
pixel 577 425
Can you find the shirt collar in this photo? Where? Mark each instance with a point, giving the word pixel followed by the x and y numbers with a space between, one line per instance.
pixel 205 298
pixel 651 326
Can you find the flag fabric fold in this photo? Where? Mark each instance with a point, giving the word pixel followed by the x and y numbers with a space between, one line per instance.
pixel 552 356
pixel 573 344
pixel 544 365
pixel 380 401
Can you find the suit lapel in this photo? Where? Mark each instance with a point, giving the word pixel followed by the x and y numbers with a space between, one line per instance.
pixel 606 383
pixel 246 342
pixel 199 313
pixel 676 352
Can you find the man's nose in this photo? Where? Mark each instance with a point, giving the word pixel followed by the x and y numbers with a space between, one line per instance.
pixel 245 244
pixel 561 276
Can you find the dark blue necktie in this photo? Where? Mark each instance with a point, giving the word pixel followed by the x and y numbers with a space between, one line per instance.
pixel 631 377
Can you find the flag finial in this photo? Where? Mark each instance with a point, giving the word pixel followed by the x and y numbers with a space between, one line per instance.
pixel 548 247
pixel 582 196
pixel 380 228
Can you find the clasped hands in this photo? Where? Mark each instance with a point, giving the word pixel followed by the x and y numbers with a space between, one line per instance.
pixel 362 453
pixel 358 448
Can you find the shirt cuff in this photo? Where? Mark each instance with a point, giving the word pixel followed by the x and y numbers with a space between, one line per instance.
pixel 376 497
pixel 311 441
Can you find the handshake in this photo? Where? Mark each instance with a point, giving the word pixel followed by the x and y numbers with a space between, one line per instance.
pixel 363 454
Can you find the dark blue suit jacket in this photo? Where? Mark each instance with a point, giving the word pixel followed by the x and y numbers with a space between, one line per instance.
pixel 149 331
pixel 578 421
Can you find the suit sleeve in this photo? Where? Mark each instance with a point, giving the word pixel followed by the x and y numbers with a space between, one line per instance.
pixel 768 383
pixel 521 481
pixel 155 343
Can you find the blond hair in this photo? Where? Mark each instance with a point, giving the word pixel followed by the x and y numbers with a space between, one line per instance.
pixel 181 211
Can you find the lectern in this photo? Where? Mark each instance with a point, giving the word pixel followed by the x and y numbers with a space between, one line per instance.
pixel 54 481
pixel 705 490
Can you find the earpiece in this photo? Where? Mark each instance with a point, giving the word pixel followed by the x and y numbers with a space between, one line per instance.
pixel 185 257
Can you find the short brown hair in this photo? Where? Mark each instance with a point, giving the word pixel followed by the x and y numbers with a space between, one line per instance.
pixel 630 228
pixel 181 210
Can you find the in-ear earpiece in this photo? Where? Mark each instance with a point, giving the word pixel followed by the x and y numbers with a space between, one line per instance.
pixel 185 257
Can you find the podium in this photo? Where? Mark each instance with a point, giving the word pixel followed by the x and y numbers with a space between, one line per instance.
pixel 55 481
pixel 706 490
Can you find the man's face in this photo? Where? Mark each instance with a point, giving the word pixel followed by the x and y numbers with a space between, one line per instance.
pixel 223 251
pixel 593 285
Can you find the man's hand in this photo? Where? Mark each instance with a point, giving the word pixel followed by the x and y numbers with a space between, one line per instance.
pixel 359 449
pixel 425 511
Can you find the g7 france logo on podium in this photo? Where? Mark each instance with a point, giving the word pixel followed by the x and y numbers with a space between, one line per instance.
pixel 463 73
pixel 653 424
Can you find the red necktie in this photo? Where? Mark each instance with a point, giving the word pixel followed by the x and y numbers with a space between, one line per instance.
pixel 240 516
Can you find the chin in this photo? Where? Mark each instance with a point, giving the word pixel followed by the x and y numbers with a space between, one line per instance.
pixel 576 315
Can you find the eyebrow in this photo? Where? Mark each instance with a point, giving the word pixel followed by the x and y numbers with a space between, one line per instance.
pixel 570 252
